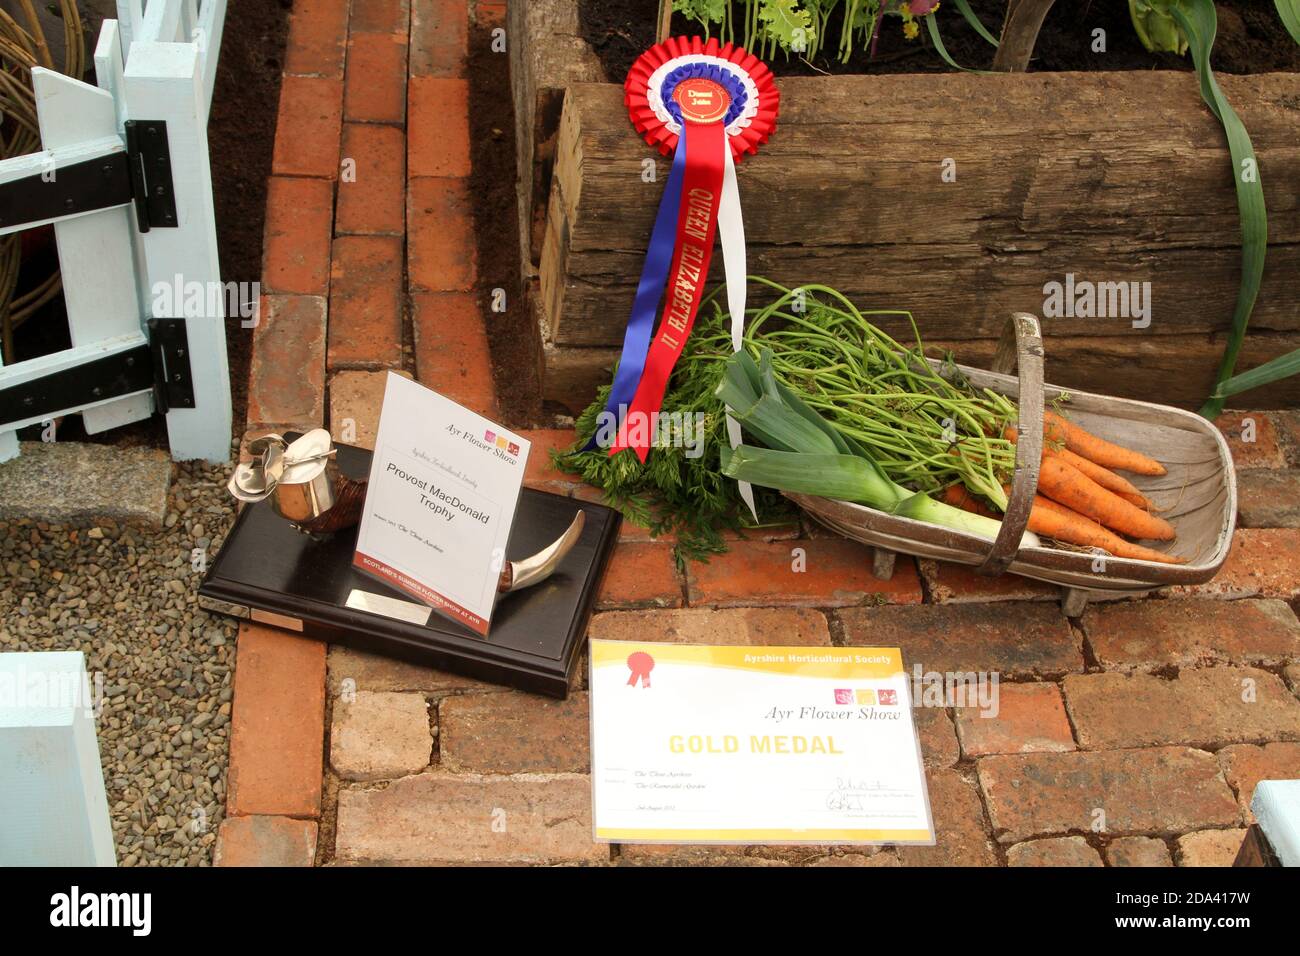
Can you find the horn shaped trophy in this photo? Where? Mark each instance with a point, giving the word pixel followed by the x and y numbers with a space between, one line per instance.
pixel 309 491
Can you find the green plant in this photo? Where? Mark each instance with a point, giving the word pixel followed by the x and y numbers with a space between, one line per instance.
pixel 803 452
pixel 926 431
pixel 1156 27
pixel 803 26
pixel 1177 26
pixel 1289 12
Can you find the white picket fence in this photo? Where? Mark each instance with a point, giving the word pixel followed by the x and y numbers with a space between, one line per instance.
pixel 155 64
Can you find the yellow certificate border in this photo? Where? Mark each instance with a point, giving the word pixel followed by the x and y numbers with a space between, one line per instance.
pixel 807 661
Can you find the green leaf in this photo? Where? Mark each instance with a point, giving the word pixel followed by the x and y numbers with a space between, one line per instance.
pixel 842 477
pixel 1156 26
pixel 702 11
pixel 937 40
pixel 1275 370
pixel 1289 11
pixel 1198 22
pixel 964 8
pixel 787 23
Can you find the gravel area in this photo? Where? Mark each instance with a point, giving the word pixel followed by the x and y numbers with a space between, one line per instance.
pixel 128 598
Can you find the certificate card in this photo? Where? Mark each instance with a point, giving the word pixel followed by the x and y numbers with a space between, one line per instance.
pixel 444 483
pixel 701 744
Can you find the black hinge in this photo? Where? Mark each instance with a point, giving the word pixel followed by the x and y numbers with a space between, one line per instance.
pixel 97 380
pixel 151 173
pixel 143 173
pixel 173 383
pixel 163 366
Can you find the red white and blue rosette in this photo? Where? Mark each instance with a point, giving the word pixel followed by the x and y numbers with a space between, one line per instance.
pixel 652 82
pixel 707 105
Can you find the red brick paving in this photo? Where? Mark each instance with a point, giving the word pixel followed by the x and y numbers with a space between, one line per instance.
pixel 1263 562
pixel 439 242
pixel 438 139
pixel 276 724
pixel 372 198
pixel 451 349
pixel 307 128
pixel 266 841
pixel 1152 791
pixel 287 377
pixel 296 243
pixel 365 325
pixel 317 34
pixel 1097 751
pixel 1027 718
pixel 1252 439
pixel 641 575
pixel 439 32
pixel 1020 642
pixel 375 87
pixel 380 16
pixel 821 572
pixel 1148 635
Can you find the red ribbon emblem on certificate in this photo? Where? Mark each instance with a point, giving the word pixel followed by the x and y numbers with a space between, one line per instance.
pixel 640 664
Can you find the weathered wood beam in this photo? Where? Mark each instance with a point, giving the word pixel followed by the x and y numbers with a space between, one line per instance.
pixel 960 204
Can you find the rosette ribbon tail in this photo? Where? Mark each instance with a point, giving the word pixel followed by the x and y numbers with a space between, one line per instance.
pixel 697 222
pixel 731 236
pixel 640 326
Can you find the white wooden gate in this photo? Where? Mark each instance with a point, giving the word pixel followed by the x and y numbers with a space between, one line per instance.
pixel 124 178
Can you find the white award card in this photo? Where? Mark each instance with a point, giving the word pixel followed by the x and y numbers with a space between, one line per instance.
pixel 444 485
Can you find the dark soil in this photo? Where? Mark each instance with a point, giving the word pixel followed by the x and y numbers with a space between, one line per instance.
pixel 516 360
pixel 241 134
pixel 1251 39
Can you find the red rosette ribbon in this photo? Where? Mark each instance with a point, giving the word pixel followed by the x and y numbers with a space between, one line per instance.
pixel 707 105
pixel 745 135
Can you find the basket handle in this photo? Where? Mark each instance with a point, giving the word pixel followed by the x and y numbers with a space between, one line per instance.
pixel 1021 349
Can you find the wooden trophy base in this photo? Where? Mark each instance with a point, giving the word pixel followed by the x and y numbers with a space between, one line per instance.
pixel 268 571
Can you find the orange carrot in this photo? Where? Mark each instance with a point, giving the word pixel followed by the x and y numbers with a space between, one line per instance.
pixel 1139 500
pixel 1054 520
pixel 1102 476
pixel 959 497
pixel 1098 450
pixel 1066 485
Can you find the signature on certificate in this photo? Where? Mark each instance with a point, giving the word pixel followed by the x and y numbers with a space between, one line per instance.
pixel 852 793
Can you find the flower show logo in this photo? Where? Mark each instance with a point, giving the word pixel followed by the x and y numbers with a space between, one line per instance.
pixel 1083 299
pixel 866 696
pixel 500 441
pixel 976 690
pixel 659 429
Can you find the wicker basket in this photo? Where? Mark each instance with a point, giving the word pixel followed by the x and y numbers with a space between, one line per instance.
pixel 1198 495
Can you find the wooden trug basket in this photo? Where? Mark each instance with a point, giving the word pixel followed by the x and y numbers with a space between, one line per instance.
pixel 1198 495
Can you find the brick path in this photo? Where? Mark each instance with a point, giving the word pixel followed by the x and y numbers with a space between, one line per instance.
pixel 1130 737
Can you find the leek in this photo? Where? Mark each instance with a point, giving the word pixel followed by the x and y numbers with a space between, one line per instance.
pixel 807 456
